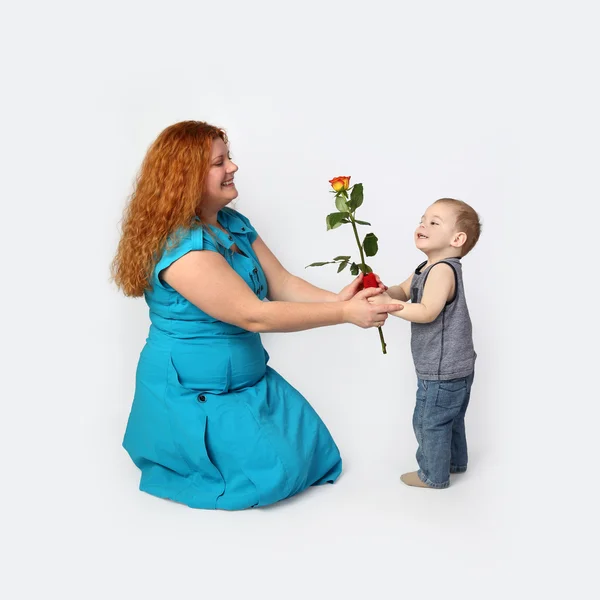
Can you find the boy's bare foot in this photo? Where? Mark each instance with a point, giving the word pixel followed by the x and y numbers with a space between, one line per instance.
pixel 414 480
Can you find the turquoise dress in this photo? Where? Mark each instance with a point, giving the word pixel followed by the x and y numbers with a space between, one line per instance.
pixel 211 425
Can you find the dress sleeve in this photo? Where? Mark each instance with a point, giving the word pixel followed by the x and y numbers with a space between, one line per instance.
pixel 179 245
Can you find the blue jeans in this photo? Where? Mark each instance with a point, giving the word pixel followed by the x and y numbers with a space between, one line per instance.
pixel 439 424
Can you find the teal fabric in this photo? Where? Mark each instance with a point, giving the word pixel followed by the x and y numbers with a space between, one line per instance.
pixel 212 425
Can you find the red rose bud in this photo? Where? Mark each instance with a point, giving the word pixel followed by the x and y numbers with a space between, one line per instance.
pixel 370 280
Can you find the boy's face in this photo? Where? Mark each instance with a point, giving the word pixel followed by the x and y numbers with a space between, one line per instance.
pixel 436 231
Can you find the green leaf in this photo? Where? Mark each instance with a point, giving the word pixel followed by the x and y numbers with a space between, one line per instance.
pixel 354 269
pixel 340 204
pixel 361 222
pixel 342 266
pixel 356 197
pixel 335 219
pixel 370 244
pixel 318 264
pixel 364 268
pixel 342 258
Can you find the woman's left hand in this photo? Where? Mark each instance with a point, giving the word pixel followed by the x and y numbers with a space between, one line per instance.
pixel 352 288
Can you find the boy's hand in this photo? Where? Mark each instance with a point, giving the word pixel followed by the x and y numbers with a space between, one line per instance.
pixel 383 298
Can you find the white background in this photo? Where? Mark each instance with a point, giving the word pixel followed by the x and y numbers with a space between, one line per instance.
pixel 491 102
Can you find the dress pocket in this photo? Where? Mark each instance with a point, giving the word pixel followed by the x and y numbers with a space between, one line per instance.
pixel 202 367
pixel 451 393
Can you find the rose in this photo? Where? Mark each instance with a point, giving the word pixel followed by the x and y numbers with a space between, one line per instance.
pixel 346 205
pixel 340 183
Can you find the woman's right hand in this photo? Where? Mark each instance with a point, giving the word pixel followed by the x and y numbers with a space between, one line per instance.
pixel 359 311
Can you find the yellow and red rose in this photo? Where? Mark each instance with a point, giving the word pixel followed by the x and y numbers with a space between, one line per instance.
pixel 340 183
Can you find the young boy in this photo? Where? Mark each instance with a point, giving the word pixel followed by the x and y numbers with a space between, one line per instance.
pixel 441 340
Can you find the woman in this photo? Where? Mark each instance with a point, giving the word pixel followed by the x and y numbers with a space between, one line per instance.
pixel 212 426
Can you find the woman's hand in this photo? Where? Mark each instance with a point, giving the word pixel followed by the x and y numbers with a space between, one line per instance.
pixel 350 290
pixel 360 311
pixel 355 286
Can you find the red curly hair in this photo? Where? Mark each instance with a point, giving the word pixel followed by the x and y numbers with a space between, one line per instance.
pixel 166 197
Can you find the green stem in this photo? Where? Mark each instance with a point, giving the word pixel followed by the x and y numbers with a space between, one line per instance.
pixel 362 258
pixel 360 249
pixel 383 344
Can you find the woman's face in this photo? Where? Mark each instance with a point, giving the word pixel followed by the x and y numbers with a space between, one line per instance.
pixel 219 188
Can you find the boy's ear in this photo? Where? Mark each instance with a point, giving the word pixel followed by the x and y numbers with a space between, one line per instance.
pixel 459 240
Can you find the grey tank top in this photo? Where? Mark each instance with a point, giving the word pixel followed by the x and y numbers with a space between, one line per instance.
pixel 443 349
